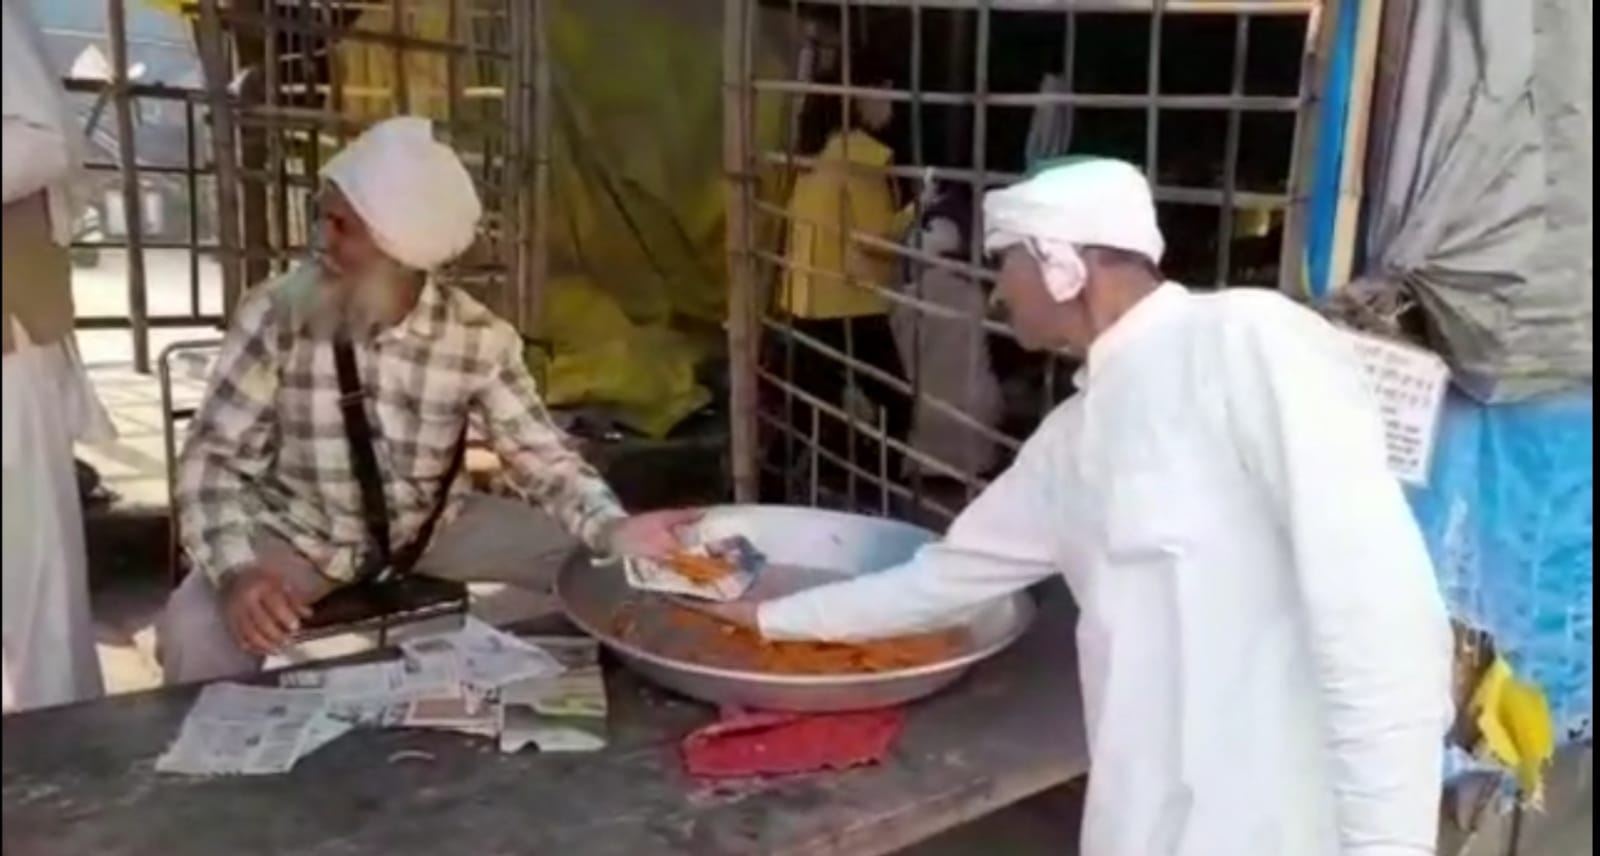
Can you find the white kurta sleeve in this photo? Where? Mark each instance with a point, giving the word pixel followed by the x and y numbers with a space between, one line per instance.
pixel 1001 543
pixel 1310 429
pixel 35 158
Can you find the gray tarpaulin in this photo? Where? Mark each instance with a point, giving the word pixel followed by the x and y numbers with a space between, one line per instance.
pixel 1480 195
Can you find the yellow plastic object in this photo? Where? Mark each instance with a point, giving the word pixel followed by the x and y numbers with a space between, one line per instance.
pixel 171 7
pixel 643 374
pixel 1515 727
pixel 824 201
pixel 366 69
pixel 636 231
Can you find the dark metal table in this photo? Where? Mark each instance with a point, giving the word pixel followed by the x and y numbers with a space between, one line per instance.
pixel 79 780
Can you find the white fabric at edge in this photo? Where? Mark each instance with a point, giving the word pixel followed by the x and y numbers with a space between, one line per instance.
pixel 49 651
pixel 35 112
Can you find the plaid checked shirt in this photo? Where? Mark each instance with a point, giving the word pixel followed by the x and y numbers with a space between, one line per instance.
pixel 267 449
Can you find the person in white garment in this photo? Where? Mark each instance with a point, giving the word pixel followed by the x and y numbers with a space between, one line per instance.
pixel 1264 651
pixel 947 357
pixel 49 639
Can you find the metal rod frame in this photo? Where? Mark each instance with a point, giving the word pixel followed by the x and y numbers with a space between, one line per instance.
pixel 756 261
pixel 268 150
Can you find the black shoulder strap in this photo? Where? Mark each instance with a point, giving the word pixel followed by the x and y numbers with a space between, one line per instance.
pixel 364 464
pixel 358 433
pixel 406 558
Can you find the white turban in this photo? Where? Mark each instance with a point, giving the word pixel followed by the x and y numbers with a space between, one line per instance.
pixel 1078 203
pixel 412 192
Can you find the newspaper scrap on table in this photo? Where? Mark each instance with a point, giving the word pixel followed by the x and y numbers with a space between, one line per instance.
pixel 485 658
pixel 458 713
pixel 324 729
pixel 388 681
pixel 234 729
pixel 565 713
pixel 650 575
pixel 479 681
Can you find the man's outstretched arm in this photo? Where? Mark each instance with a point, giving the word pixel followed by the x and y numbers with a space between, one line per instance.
pixel 542 463
pixel 999 544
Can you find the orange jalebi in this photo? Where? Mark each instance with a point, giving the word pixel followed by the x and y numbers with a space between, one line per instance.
pixel 716 643
pixel 700 570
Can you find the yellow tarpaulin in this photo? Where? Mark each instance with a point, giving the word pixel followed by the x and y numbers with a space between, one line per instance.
pixel 637 293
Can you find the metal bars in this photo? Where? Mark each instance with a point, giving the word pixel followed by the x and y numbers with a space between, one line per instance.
pixel 776 411
pixel 290 81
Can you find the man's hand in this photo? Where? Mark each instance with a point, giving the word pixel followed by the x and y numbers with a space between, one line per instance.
pixel 263 611
pixel 653 535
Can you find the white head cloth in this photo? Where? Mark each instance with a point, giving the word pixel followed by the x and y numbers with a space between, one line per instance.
pixel 1079 203
pixel 33 95
pixel 412 192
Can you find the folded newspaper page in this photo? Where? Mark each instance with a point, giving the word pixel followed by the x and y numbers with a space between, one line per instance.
pixel 565 713
pixel 478 681
pixel 485 658
pixel 235 729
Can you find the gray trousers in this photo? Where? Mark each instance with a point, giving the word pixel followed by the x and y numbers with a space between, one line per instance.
pixel 491 540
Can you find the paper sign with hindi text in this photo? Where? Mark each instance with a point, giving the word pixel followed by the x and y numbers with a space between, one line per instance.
pixel 1410 384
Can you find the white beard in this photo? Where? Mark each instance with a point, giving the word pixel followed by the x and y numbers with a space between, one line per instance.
pixel 355 307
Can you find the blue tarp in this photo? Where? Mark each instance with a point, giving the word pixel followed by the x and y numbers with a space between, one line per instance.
pixel 1509 520
pixel 1323 205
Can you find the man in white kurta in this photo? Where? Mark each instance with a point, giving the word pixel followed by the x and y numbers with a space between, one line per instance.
pixel 49 640
pixel 1264 651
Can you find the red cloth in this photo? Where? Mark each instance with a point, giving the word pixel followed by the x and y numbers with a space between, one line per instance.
pixel 777 744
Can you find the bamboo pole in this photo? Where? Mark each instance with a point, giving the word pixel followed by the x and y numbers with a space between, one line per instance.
pixel 980 163
pixel 249 47
pixel 737 165
pixel 214 61
pixel 538 274
pixel 1230 154
pixel 397 50
pixel 132 203
pixel 1320 30
pixel 1352 169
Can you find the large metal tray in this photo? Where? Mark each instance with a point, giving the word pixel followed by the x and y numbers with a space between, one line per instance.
pixel 804 547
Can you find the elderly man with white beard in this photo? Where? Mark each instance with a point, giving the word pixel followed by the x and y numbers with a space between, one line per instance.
pixel 275 510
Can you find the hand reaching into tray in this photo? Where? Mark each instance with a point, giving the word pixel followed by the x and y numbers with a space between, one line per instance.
pixel 739 613
pixel 654 534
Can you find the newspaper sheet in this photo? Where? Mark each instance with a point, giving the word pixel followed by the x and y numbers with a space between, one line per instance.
pixel 485 657
pixel 477 681
pixel 564 713
pixel 366 693
pixel 234 729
